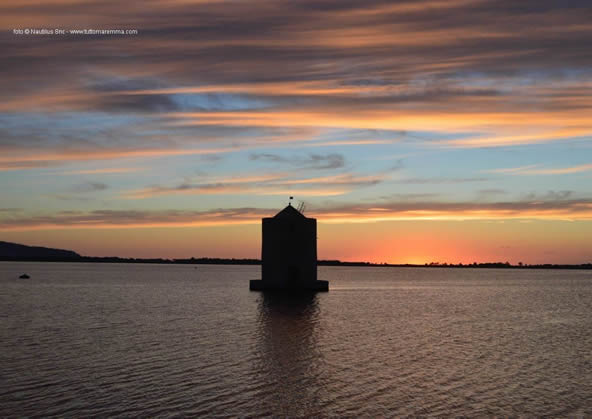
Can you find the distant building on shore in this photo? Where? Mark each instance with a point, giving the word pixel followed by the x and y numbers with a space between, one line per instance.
pixel 289 253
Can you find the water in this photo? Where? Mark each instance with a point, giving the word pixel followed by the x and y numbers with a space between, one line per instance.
pixel 164 340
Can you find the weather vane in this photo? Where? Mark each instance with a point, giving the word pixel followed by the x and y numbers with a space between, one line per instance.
pixel 290 202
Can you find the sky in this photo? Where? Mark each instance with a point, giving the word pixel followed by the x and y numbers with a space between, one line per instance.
pixel 414 131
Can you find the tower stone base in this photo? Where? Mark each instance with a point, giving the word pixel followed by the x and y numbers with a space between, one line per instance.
pixel 314 286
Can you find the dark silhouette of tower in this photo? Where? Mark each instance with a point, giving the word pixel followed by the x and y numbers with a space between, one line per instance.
pixel 289 253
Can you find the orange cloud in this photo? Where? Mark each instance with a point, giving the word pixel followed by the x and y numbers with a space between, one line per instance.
pixel 18 159
pixel 552 126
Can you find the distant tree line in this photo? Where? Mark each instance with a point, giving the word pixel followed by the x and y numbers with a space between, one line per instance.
pixel 234 261
pixel 22 253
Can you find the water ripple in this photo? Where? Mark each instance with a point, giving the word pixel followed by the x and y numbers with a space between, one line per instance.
pixel 144 340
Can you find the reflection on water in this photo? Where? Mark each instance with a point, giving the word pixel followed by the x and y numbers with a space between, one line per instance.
pixel 289 357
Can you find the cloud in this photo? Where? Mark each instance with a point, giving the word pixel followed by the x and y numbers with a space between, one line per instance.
pixel 133 219
pixel 486 71
pixel 311 161
pixel 498 127
pixel 510 170
pixel 70 198
pixel 25 159
pixel 535 170
pixel 40 140
pixel 439 180
pixel 554 209
pixel 104 171
pixel 342 179
pixel 25 165
pixel 550 196
pixel 409 197
pixel 551 209
pixel 348 142
pixel 399 165
pixel 492 192
pixel 87 187
pixel 563 170
pixel 284 183
pixel 115 94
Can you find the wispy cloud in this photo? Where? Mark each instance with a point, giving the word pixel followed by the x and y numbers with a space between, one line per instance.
pixel 87 187
pixel 103 171
pixel 511 170
pixel 492 192
pixel 348 142
pixel 25 165
pixel 439 180
pixel 552 209
pixel 494 124
pixel 133 219
pixel 285 183
pixel 413 197
pixel 561 171
pixel 536 170
pixel 311 161
pixel 19 159
pixel 342 179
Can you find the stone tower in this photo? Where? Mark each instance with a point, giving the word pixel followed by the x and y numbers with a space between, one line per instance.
pixel 289 253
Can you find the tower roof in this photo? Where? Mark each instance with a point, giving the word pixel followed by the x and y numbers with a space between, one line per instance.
pixel 289 212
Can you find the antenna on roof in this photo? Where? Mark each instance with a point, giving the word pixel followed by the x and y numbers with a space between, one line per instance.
pixel 290 202
pixel 301 207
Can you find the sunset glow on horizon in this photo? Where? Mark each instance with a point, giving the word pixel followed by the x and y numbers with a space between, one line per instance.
pixel 417 131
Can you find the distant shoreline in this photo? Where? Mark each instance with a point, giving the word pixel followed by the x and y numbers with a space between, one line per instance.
pixel 14 252
pixel 233 261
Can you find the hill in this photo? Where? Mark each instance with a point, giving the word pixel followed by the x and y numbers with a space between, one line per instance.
pixel 14 251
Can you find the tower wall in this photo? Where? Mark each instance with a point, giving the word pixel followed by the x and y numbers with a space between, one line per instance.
pixel 289 251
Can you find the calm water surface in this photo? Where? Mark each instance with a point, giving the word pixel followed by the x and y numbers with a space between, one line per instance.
pixel 167 340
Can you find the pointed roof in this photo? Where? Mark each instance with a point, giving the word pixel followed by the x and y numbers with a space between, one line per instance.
pixel 289 212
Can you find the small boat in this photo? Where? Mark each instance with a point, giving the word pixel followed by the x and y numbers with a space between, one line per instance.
pixel 24 276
